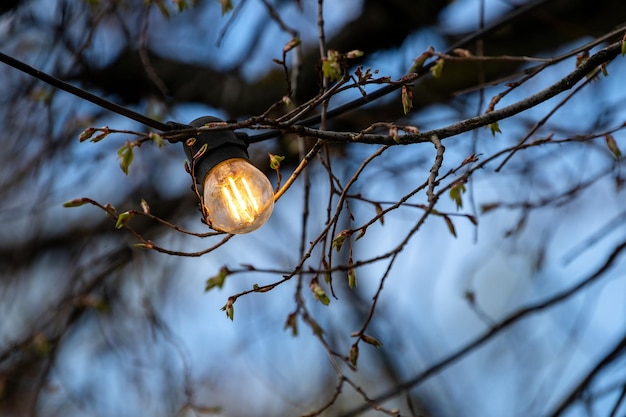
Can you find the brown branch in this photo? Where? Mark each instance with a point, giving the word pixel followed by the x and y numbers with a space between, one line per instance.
pixel 434 170
pixel 340 381
pixel 545 119
pixel 570 80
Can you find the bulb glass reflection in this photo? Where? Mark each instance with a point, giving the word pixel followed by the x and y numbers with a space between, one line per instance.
pixel 237 196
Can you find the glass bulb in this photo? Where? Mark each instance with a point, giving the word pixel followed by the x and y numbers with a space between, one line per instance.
pixel 238 197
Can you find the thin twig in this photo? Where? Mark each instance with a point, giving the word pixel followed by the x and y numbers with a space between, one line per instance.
pixel 434 170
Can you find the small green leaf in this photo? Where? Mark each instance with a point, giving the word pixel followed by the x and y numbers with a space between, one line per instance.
pixel 318 292
pixel 456 194
pixel 418 62
pixel 372 341
pixel 351 278
pixel 292 323
pixel 605 72
pixel 157 139
pixel 437 69
pixel 217 280
pixel 321 296
pixel 77 202
pixel 147 245
pixel 230 312
pixel 229 309
pixel 407 99
pixel 331 70
pixel 494 128
pixel 144 206
pixel 123 219
pixel 104 133
pixel 86 134
pixel 340 239
pixel 354 354
pixel 331 66
pixel 379 212
pixel 125 155
pixel 292 44
pixel 612 145
pixel 257 288
pixel 275 160
pixel 327 276
pixel 110 210
pixel 351 271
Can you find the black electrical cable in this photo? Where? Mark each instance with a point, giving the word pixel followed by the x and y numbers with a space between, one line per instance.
pixel 62 85
pixel 310 121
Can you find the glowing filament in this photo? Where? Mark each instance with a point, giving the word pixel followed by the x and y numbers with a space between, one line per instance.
pixel 241 205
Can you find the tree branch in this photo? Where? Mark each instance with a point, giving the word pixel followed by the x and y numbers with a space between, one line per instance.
pixel 601 57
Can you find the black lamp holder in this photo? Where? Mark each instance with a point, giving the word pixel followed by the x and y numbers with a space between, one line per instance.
pixel 220 146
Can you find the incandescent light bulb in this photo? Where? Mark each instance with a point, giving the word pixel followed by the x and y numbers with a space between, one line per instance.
pixel 237 197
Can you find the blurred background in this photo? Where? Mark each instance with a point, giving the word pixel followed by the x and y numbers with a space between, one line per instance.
pixel 512 305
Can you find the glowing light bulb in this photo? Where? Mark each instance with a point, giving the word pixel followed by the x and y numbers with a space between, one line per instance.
pixel 237 196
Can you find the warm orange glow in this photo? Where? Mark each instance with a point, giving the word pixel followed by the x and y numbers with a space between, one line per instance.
pixel 238 197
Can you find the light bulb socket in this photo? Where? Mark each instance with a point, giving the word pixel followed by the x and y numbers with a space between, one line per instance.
pixel 221 145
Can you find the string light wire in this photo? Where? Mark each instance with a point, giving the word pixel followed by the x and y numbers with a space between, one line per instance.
pixel 85 95
pixel 310 121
